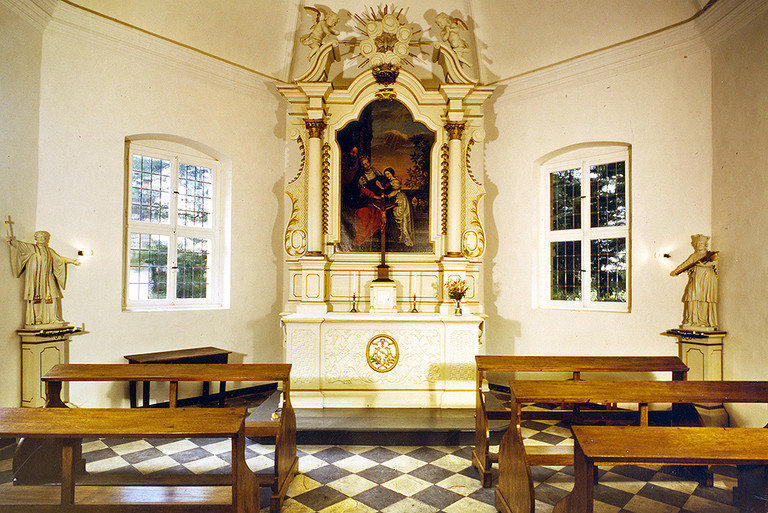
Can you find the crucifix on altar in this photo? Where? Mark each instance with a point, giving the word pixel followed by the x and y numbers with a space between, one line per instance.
pixel 383 288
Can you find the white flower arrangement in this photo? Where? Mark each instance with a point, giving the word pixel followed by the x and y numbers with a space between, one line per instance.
pixel 456 288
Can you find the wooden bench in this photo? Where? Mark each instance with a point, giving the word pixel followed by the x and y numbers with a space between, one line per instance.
pixel 609 445
pixel 515 487
pixel 192 355
pixel 279 421
pixel 70 425
pixel 487 409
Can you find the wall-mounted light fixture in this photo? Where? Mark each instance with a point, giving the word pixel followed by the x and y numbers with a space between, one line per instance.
pixel 84 253
pixel 659 255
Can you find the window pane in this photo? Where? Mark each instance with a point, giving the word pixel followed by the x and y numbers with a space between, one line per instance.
pixel 609 269
pixel 194 196
pixel 607 184
pixel 566 270
pixel 148 274
pixel 150 189
pixel 193 265
pixel 565 199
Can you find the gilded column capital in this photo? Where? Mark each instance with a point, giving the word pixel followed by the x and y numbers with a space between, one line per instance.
pixel 315 127
pixel 455 129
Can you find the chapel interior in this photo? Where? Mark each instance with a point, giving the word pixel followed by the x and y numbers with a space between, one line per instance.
pixel 676 88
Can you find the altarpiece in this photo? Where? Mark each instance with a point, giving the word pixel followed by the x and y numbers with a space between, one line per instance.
pixel 385 209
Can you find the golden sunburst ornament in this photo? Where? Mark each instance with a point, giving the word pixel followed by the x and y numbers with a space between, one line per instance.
pixel 386 43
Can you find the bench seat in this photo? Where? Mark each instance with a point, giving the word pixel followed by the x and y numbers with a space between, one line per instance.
pixel 488 409
pixel 274 418
pixel 515 489
pixel 70 425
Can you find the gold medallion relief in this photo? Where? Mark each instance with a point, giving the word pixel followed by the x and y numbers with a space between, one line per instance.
pixel 382 353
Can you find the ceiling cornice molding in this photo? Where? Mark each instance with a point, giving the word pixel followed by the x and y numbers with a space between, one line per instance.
pixel 36 12
pixel 80 23
pixel 657 47
pixel 726 17
pixel 710 26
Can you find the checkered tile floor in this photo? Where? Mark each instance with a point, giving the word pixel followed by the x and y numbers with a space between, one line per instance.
pixel 394 479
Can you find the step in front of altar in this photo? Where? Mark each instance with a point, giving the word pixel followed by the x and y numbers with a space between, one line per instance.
pixel 385 426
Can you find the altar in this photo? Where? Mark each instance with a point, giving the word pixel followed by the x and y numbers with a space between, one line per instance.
pixel 384 238
pixel 401 360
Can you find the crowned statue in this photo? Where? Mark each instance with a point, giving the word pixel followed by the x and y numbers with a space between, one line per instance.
pixel 700 295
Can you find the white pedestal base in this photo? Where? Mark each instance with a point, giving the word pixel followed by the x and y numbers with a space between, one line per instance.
pixel 41 350
pixel 702 352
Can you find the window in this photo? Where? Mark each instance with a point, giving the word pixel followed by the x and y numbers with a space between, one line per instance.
pixel 173 227
pixel 586 230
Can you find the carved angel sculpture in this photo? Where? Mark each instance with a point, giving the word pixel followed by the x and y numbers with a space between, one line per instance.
pixel 449 32
pixel 323 26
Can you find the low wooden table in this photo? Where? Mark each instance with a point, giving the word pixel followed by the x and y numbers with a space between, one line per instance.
pixel 70 425
pixel 609 445
pixel 193 355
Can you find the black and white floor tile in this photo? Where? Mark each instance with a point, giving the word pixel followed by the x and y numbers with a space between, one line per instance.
pixel 422 479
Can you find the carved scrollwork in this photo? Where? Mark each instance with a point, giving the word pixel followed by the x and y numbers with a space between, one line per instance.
pixel 473 235
pixel 295 242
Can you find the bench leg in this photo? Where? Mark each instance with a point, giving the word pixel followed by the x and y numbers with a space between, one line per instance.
pixel 145 393
pixel 68 471
pixel 751 492
pixel 222 393
pixel 132 393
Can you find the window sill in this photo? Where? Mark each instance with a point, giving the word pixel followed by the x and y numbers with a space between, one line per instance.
pixel 172 308
pixel 574 308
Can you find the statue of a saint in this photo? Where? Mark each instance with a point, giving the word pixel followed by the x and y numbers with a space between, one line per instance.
pixel 45 276
pixel 700 296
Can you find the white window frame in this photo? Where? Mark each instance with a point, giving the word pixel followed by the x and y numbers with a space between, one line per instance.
pixel 176 154
pixel 582 158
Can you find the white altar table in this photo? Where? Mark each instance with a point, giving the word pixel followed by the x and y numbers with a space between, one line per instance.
pixel 367 360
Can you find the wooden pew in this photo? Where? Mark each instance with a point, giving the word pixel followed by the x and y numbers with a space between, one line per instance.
pixel 70 425
pixel 259 424
pixel 515 489
pixel 614 445
pixel 574 366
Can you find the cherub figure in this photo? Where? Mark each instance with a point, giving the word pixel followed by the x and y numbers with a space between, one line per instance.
pixel 323 26
pixel 449 32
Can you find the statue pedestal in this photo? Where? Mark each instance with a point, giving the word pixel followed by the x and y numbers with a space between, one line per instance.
pixel 41 350
pixel 701 351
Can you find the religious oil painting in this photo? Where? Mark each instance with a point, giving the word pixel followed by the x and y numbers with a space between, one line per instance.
pixel 385 181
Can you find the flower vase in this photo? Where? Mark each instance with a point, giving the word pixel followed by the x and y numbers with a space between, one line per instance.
pixel 458 306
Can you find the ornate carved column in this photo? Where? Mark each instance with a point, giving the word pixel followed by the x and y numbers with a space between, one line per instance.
pixel 453 224
pixel 315 128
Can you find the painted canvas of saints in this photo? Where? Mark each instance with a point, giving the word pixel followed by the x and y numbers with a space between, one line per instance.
pixel 384 180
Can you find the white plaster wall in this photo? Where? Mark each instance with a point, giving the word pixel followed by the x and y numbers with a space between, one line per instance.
pixel 663 111
pixel 740 189
pixel 20 51
pixel 95 92
pixel 518 36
